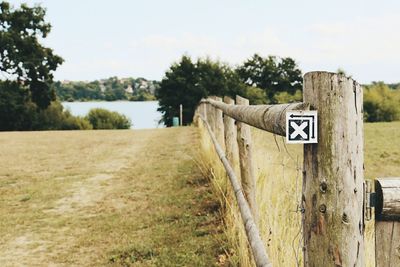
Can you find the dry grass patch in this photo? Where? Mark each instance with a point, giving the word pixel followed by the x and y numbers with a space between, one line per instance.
pixel 96 198
pixel 279 181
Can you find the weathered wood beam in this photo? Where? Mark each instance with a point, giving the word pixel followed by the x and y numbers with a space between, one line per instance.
pixel 270 118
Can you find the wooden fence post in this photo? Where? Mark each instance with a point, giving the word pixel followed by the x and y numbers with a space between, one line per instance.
pixel 211 115
pixel 387 222
pixel 333 223
pixel 246 161
pixel 219 125
pixel 231 144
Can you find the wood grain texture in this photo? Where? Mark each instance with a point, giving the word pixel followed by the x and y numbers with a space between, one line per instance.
pixel 387 244
pixel 333 223
pixel 246 161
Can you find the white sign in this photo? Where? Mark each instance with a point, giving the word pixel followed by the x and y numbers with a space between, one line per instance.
pixel 301 127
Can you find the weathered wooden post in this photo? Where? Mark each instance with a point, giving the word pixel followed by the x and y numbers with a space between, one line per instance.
pixel 211 115
pixel 246 161
pixel 333 223
pixel 219 125
pixel 231 144
pixel 387 222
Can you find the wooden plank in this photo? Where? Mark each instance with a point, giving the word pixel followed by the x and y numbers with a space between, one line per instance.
pixel 246 161
pixel 271 118
pixel 387 243
pixel 333 223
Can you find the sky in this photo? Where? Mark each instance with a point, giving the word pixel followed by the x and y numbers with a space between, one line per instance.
pixel 128 38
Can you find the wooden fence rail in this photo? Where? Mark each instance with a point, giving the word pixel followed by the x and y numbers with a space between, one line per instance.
pixel 270 118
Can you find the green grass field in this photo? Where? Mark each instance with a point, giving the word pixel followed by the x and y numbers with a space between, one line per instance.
pixel 279 181
pixel 106 198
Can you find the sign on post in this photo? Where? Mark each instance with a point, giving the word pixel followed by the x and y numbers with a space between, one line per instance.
pixel 301 127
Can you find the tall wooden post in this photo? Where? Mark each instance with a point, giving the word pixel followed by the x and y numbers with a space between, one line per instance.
pixel 231 144
pixel 246 161
pixel 333 223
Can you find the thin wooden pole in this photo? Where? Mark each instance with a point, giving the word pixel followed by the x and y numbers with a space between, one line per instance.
pixel 246 161
pixel 180 115
pixel 333 223
pixel 252 232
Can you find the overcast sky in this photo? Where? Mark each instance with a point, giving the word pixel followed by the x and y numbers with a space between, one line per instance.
pixel 99 38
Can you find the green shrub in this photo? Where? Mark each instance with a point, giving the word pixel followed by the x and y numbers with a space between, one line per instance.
pixel 56 118
pixel 104 119
pixel 381 103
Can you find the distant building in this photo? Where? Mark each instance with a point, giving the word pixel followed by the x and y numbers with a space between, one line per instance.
pixel 129 89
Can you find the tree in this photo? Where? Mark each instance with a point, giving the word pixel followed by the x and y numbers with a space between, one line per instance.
pixel 187 83
pixel 22 57
pixel 272 74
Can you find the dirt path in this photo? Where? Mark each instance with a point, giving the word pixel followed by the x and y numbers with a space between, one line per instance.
pixel 95 198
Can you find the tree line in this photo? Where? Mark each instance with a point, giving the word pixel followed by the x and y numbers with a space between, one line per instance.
pixel 263 80
pixel 30 100
pixel 110 89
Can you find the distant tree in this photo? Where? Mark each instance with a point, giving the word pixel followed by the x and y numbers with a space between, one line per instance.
pixel 272 74
pixel 22 57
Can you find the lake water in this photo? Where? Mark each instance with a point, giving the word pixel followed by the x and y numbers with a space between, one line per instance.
pixel 143 115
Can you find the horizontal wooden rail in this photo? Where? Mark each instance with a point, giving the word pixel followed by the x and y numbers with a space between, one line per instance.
pixel 270 118
pixel 252 232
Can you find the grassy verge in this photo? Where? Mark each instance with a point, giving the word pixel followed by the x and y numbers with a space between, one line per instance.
pixel 279 180
pixel 106 198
